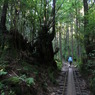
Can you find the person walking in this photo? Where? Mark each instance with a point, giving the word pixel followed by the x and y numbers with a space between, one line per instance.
pixel 70 60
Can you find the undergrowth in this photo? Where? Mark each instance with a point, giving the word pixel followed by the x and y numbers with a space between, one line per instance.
pixel 88 71
pixel 18 77
pixel 59 64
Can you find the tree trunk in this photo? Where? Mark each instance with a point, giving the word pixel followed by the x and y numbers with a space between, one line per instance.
pixel 72 40
pixel 45 13
pixel 56 44
pixel 67 43
pixel 79 47
pixel 60 45
pixel 76 32
pixel 44 49
pixel 86 36
pixel 3 16
pixel 44 43
pixel 3 22
pixel 53 11
pixel 85 13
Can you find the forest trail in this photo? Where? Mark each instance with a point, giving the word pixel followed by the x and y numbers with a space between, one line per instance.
pixel 35 36
pixel 71 85
pixel 71 82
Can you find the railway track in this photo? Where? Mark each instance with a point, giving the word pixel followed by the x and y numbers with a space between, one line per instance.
pixel 78 83
pixel 62 81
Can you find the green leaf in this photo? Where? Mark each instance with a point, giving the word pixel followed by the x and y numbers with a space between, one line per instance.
pixel 14 79
pixel 30 81
pixel 3 73
pixel 1 85
pixel 2 93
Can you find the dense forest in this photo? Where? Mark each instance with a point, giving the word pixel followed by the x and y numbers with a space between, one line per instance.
pixel 38 36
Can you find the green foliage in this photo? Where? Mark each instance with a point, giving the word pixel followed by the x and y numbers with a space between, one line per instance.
pixel 87 68
pixel 2 92
pixel 2 72
pixel 44 86
pixel 12 92
pixel 91 15
pixel 14 80
pixel 3 65
pixel 88 71
pixel 93 85
pixel 3 55
pixel 78 63
pixel 59 64
pixel 1 85
pixel 28 21
pixel 51 75
pixel 29 81
pixel 92 54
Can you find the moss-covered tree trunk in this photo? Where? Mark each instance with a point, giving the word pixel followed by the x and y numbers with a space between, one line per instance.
pixel 44 43
pixel 86 36
pixel 44 48
pixel 3 23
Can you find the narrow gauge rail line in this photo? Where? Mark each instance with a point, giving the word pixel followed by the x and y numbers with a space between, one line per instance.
pixel 63 83
pixel 71 82
pixel 77 83
pixel 80 84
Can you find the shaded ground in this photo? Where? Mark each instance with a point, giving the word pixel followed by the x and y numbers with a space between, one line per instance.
pixel 21 77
